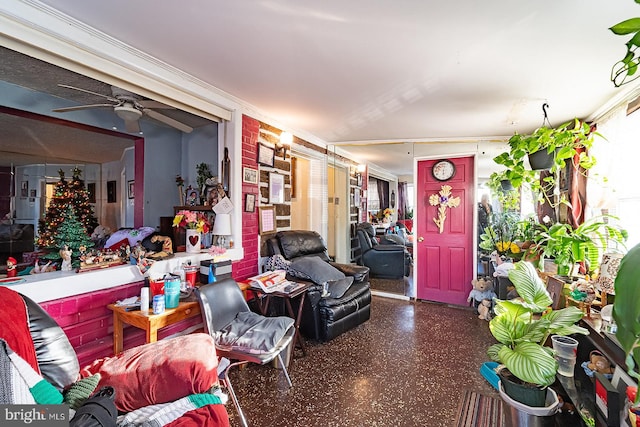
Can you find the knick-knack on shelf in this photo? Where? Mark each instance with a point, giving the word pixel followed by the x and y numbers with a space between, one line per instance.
pixel 12 267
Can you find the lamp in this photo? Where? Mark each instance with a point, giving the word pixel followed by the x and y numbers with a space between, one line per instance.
pixel 222 228
pixel 286 139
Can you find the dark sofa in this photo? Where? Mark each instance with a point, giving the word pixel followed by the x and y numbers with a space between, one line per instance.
pixel 324 318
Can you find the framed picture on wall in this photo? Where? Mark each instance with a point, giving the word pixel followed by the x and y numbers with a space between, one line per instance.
pixel 249 175
pixel 276 188
pixel 130 189
pixel 267 219
pixel 250 202
pixel 111 191
pixel 266 155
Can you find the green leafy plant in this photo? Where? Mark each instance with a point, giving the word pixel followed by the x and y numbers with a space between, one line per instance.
pixel 509 199
pixel 568 142
pixel 568 245
pixel 625 70
pixel 503 234
pixel 521 334
pixel 626 310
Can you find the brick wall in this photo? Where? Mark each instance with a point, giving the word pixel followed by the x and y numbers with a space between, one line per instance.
pixel 248 266
pixel 88 322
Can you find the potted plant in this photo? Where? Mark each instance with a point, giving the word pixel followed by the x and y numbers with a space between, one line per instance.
pixel 568 142
pixel 568 245
pixel 503 234
pixel 528 365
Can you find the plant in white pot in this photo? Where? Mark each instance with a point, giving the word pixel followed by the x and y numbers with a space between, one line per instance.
pixel 522 331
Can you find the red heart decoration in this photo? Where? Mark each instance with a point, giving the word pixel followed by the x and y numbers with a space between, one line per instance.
pixel 194 240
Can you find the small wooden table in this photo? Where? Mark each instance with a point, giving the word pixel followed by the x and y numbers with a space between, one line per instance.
pixel 150 322
pixel 299 292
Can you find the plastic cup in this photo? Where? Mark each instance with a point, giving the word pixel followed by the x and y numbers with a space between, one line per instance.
pixel 156 287
pixel 566 349
pixel 566 365
pixel 190 274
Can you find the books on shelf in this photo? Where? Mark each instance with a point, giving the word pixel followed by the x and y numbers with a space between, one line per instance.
pixel 274 281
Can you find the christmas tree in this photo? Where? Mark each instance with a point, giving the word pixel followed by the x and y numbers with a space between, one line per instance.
pixel 53 218
pixel 70 233
pixel 80 202
pixel 64 194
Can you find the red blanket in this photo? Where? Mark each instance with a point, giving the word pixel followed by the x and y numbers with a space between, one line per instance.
pixel 14 327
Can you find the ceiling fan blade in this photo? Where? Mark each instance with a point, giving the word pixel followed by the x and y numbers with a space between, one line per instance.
pixel 149 103
pixel 167 120
pixel 80 107
pixel 110 98
pixel 132 126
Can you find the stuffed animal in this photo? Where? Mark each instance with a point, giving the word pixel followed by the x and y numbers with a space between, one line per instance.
pixel 482 290
pixel 599 363
pixel 484 309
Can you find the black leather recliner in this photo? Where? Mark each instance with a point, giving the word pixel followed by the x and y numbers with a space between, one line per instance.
pixel 324 318
pixel 386 261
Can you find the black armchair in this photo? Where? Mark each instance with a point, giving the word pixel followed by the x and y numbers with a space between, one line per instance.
pixel 324 317
pixel 386 261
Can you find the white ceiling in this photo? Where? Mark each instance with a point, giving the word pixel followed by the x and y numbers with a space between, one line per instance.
pixel 363 70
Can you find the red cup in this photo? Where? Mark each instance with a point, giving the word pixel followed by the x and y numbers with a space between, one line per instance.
pixel 190 274
pixel 156 287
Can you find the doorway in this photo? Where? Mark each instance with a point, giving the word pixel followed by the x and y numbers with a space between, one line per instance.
pixel 338 242
pixel 444 254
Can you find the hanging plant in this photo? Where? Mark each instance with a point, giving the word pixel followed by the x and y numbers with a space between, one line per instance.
pixel 625 70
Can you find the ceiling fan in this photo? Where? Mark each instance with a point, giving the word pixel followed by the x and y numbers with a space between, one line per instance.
pixel 129 107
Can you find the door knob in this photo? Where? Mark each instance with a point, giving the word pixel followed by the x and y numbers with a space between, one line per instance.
pixel 420 239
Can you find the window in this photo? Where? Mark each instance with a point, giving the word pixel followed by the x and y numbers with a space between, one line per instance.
pixel 617 160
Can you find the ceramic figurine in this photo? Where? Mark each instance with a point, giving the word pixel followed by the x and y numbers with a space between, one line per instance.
pixel 65 254
pixel 12 267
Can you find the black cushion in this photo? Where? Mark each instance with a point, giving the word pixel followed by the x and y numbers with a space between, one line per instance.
pixel 315 269
pixel 337 288
pixel 300 243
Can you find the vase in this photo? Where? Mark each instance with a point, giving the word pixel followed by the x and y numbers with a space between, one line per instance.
pixel 193 240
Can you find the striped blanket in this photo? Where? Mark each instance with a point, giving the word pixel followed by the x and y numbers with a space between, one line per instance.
pixel 162 414
pixel 20 383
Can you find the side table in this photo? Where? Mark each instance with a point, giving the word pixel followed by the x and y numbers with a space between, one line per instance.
pixel 264 299
pixel 150 322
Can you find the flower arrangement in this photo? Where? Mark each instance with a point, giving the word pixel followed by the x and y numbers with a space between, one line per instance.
pixel 387 213
pixel 192 220
pixel 502 233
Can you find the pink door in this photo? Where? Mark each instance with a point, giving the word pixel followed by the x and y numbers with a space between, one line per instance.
pixel 444 260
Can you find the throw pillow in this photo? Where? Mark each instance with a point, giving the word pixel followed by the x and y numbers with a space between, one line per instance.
pixel 315 269
pixel 277 262
pixel 159 372
pixel 337 288
pixel 80 391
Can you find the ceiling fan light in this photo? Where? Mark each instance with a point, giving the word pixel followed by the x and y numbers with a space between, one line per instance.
pixel 127 113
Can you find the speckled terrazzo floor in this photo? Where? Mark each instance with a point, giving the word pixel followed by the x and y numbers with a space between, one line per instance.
pixel 407 366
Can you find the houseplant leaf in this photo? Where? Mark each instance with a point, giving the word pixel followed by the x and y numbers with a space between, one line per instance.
pixel 626 309
pixel 530 362
pixel 530 287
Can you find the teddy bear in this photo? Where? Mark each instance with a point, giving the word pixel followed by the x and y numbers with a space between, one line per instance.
pixel 599 363
pixel 484 309
pixel 482 290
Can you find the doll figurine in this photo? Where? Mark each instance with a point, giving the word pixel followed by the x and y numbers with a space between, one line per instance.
pixel 12 267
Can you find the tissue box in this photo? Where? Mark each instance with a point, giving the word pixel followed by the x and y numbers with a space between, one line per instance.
pixel 221 269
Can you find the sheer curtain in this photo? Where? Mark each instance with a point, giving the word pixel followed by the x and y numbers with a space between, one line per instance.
pixel 617 160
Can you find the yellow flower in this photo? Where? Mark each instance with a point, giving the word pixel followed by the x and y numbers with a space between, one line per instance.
pixel 515 249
